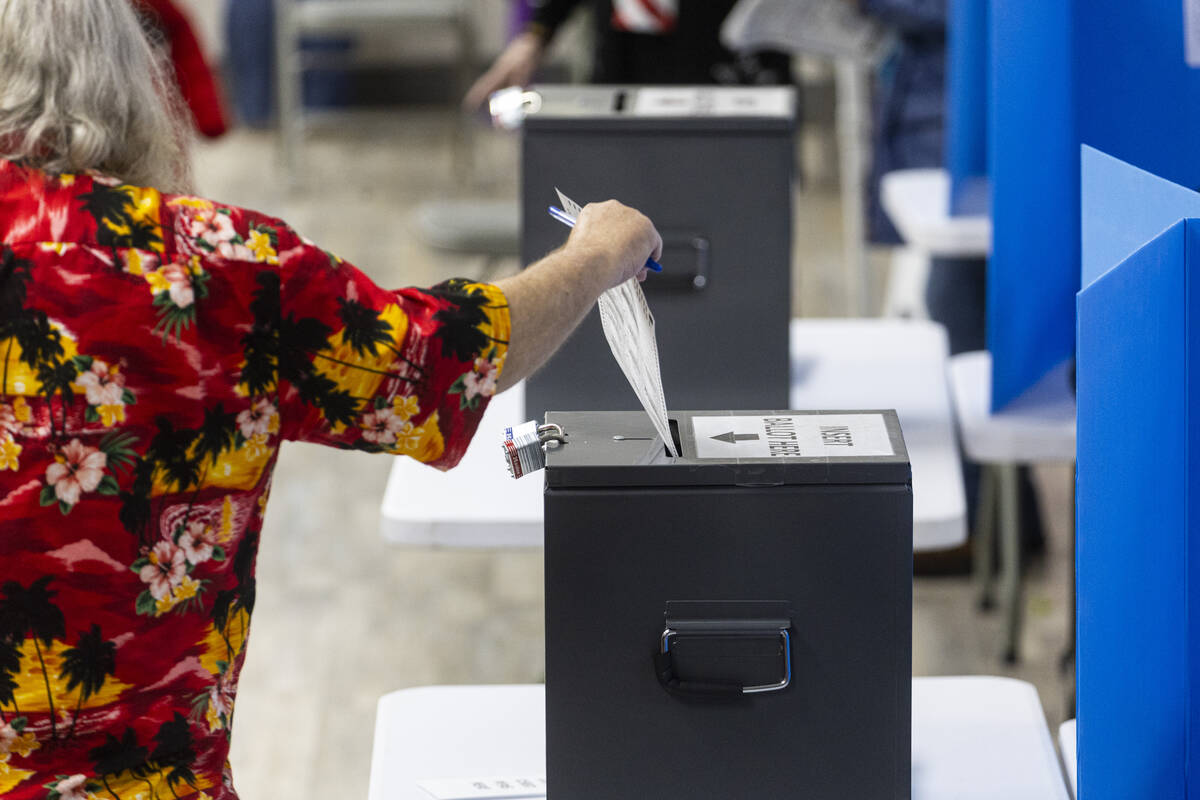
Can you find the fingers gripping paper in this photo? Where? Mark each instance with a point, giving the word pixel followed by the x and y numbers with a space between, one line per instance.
pixel 629 329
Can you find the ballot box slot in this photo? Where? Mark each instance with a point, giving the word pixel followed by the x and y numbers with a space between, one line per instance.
pixel 674 424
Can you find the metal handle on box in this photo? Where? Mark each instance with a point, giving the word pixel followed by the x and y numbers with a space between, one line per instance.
pixel 686 256
pixel 665 669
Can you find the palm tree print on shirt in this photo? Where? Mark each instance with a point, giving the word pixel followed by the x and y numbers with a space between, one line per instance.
pixel 126 216
pixel 116 757
pixel 87 665
pixel 176 458
pixel 41 344
pixel 10 666
pixel 281 349
pixel 31 613
pixel 465 330
pixel 175 752
pixel 126 759
pixel 366 330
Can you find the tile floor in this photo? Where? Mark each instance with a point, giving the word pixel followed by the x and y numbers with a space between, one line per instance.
pixel 343 618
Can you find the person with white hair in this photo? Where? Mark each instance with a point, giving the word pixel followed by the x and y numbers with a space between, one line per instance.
pixel 155 350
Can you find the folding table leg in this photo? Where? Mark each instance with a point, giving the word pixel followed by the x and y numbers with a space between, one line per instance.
pixel 1010 545
pixel 1067 660
pixel 984 561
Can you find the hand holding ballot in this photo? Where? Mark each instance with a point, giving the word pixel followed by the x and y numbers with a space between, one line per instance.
pixel 609 245
pixel 625 234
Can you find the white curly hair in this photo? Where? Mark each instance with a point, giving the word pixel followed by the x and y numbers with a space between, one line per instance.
pixel 83 87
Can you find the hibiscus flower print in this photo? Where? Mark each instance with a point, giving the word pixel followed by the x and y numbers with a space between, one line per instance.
pixel 74 787
pixel 198 542
pixel 165 569
pixel 478 384
pixel 260 419
pixel 104 386
pixel 106 392
pixel 213 230
pixel 481 382
pixel 211 227
pixel 77 470
pixel 179 284
pixel 382 426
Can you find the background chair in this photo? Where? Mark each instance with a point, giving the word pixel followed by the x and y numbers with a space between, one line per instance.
pixel 298 18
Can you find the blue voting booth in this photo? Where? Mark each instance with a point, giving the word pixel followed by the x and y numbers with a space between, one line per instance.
pixel 1107 73
pixel 1138 491
pixel 966 106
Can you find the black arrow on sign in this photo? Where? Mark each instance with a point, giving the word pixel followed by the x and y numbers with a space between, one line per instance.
pixel 731 437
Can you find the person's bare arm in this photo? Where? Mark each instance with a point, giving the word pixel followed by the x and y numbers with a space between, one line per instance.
pixel 609 245
pixel 517 63
pixel 513 67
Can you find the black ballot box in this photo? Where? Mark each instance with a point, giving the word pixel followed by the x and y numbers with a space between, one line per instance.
pixel 713 168
pixel 734 622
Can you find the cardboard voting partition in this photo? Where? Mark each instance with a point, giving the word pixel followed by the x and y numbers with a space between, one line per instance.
pixel 1138 492
pixel 966 106
pixel 1107 73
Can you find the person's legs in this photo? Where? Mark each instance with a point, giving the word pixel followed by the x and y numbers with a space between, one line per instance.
pixel 957 298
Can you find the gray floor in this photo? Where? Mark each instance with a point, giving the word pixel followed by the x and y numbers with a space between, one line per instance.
pixel 343 618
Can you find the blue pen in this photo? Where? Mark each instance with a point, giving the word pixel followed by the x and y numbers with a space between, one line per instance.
pixel 565 219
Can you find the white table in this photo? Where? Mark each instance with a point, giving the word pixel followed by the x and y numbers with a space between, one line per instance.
pixel 1037 427
pixel 900 364
pixel 918 203
pixel 1069 746
pixel 476 504
pixel 974 738
pixel 835 364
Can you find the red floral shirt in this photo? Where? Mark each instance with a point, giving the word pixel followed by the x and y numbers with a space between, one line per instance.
pixel 155 350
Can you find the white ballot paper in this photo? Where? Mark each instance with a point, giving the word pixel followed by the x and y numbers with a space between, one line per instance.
pixel 629 328
pixel 521 788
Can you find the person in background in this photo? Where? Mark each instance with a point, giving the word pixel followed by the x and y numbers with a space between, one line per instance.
pixel 909 133
pixel 192 73
pixel 156 348
pixel 636 41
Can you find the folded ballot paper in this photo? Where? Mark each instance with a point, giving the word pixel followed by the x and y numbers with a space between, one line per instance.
pixel 629 329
